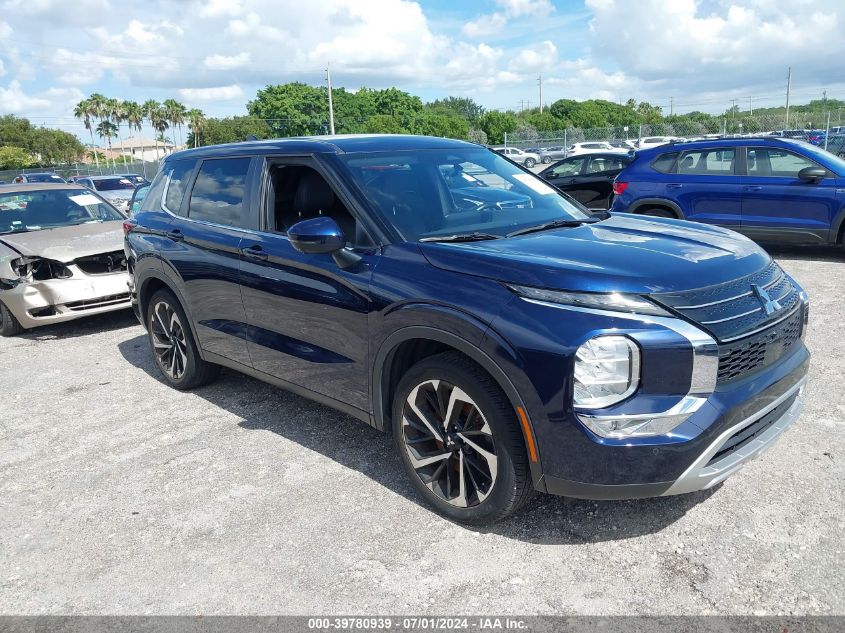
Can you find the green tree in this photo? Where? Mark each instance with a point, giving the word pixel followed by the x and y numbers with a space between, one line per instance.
pixel 495 124
pixel 445 125
pixel 292 109
pixel 384 124
pixel 14 158
pixel 174 114
pixel 544 121
pixel 463 107
pixel 196 123
pixel 477 136
pixel 152 111
pixel 84 110
pixel 229 130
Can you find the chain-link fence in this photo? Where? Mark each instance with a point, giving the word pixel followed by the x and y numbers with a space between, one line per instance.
pixel 815 127
pixel 147 169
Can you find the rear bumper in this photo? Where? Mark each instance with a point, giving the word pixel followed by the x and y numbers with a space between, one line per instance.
pixel 723 456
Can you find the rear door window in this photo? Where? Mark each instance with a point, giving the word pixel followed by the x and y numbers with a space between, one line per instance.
pixel 600 164
pixel 218 193
pixel 568 167
pixel 665 163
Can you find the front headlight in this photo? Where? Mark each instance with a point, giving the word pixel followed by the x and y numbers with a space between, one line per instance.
pixel 613 301
pixel 607 371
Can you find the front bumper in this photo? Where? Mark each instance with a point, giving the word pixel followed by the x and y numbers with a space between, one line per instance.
pixel 36 303
pixel 731 449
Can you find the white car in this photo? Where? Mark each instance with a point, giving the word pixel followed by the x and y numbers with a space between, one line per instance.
pixel 590 147
pixel 654 141
pixel 117 190
pixel 518 156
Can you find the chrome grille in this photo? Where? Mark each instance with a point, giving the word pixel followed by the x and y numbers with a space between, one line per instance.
pixel 734 310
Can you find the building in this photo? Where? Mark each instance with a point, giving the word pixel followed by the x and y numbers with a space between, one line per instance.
pixel 138 148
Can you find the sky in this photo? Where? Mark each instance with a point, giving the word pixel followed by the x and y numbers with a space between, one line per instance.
pixel 215 54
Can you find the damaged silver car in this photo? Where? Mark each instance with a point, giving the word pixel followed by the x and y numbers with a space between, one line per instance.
pixel 61 256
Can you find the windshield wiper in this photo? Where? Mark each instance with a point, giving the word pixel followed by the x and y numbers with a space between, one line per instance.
pixel 554 224
pixel 461 237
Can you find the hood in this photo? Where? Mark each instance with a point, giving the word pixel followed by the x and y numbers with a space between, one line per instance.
pixel 66 243
pixel 625 253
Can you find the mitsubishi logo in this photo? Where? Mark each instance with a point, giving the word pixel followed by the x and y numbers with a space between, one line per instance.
pixel 770 306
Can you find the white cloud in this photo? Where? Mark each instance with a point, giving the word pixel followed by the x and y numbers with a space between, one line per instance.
pixel 223 62
pixel 517 8
pixel 218 93
pixel 542 56
pixel 253 27
pixel 485 25
pixel 2 68
pixel 13 100
pixel 216 8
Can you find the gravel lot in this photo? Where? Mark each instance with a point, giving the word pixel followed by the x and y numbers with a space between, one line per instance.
pixel 119 495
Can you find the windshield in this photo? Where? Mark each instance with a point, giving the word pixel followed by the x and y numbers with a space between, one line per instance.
pixel 113 184
pixel 140 194
pixel 433 193
pixel 32 210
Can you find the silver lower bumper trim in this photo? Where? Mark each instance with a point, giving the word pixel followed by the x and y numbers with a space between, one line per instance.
pixel 702 475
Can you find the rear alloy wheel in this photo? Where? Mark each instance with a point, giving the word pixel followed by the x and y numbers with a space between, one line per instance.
pixel 459 440
pixel 9 325
pixel 173 345
pixel 547 160
pixel 530 162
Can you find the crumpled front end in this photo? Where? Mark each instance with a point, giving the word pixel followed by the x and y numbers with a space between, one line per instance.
pixel 39 291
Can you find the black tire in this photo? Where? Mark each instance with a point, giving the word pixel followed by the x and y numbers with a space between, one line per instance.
pixel 180 364
pixel 9 325
pixel 530 162
pixel 547 160
pixel 494 494
pixel 657 212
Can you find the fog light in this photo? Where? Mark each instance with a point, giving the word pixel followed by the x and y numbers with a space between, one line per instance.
pixel 607 371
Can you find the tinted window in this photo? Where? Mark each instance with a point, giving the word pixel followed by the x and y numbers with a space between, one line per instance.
pixel 218 192
pixel 776 163
pixel 175 179
pixel 570 167
pixel 712 162
pixel 665 163
pixel 113 184
pixel 22 211
pixel 600 164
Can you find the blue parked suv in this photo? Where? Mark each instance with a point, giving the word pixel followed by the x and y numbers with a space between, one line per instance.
pixel 508 343
pixel 770 189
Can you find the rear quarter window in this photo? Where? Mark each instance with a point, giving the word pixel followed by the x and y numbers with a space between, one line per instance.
pixel 665 163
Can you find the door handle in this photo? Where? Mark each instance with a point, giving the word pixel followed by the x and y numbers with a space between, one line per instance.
pixel 674 185
pixel 255 252
pixel 752 188
pixel 175 235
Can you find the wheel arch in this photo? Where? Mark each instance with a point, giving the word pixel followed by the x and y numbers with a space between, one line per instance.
pixel 837 228
pixel 155 281
pixel 669 205
pixel 408 345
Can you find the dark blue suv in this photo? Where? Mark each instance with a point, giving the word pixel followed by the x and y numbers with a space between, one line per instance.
pixel 507 339
pixel 770 189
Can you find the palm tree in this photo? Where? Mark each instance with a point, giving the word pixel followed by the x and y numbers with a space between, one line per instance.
pixel 83 110
pixel 161 124
pixel 133 114
pixel 174 113
pixel 99 110
pixel 107 130
pixel 117 115
pixel 196 121
pixel 151 109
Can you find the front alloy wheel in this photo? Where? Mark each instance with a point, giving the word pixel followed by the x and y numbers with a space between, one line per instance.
pixel 449 443
pixel 459 440
pixel 169 342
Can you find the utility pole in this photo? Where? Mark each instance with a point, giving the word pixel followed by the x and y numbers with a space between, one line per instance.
pixel 824 97
pixel 331 106
pixel 540 83
pixel 751 105
pixel 671 106
pixel 788 88
pixel 733 108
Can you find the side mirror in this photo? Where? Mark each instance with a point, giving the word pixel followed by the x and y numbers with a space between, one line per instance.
pixel 812 174
pixel 322 235
pixel 316 236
